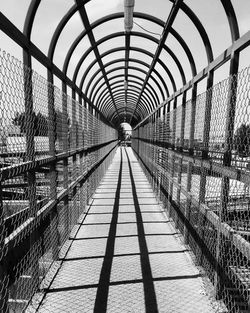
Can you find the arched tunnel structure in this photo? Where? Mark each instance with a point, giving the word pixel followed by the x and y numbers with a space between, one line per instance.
pixel 180 79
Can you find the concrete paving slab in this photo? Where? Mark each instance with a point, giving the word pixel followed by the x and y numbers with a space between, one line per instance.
pixel 128 245
pixel 120 268
pixel 126 230
pixel 70 276
pixel 90 231
pixel 98 218
pixel 104 196
pixel 126 217
pixel 87 248
pixel 77 301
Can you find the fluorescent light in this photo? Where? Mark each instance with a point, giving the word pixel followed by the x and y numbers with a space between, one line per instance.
pixel 128 14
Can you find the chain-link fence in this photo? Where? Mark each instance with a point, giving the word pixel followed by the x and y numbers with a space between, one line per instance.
pixel 53 154
pixel 197 157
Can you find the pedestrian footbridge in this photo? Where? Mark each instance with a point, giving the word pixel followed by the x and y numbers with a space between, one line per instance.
pixel 124 156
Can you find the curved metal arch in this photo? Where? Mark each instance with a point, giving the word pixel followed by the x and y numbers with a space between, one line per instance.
pixel 118 61
pixel 61 26
pixel 32 12
pixel 121 97
pixel 198 25
pixel 121 88
pixel 121 84
pixel 123 109
pixel 128 112
pixel 123 68
pixel 170 0
pixel 152 91
pixel 203 34
pixel 136 69
pixel 139 15
pixel 138 116
pixel 232 20
pixel 169 51
pixel 110 113
pixel 132 101
pixel 152 77
pixel 130 91
pixel 109 37
pixel 132 76
pixel 110 52
pixel 30 17
pixel 105 97
pixel 74 8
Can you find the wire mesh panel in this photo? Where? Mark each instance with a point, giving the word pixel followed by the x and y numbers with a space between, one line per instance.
pixel 53 154
pixel 205 181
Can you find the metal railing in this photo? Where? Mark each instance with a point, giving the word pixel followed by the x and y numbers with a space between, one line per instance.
pixel 53 154
pixel 197 156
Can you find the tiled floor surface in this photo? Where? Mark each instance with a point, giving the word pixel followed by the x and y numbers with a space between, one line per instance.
pixel 126 256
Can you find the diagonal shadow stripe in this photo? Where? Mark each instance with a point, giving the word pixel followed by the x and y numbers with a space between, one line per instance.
pixel 101 300
pixel 147 277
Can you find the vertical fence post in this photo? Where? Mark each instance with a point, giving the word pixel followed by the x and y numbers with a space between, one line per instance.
pixel 183 116
pixel 227 159
pixel 205 155
pixel 190 164
pixel 81 144
pixel 30 156
pixel 54 232
pixel 167 139
pixel 206 133
pixel 74 141
pixel 65 131
pixel 172 170
pixel 4 291
pixel 52 135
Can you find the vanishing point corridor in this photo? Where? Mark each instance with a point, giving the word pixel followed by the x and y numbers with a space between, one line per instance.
pixel 125 255
pixel 125 156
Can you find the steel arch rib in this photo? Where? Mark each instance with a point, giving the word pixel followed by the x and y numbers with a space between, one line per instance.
pixel 123 67
pixel 104 39
pixel 143 113
pixel 105 97
pixel 132 91
pixel 121 84
pixel 136 49
pixel 152 91
pixel 142 51
pixel 136 69
pixel 131 60
pixel 130 75
pixel 145 105
pixel 138 15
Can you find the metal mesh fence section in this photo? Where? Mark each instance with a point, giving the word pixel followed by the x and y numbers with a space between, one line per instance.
pixel 53 154
pixel 199 166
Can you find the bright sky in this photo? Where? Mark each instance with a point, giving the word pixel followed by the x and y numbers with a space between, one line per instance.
pixel 50 12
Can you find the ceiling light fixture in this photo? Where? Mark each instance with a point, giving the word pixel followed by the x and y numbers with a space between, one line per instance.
pixel 128 14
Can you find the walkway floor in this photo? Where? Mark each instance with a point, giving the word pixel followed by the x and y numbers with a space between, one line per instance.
pixel 126 256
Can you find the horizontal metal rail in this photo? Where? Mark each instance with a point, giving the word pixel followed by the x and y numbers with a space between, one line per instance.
pixel 36 224
pixel 208 164
pixel 18 169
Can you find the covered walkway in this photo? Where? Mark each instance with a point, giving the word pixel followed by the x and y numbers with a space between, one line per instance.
pixel 168 228
pixel 125 255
